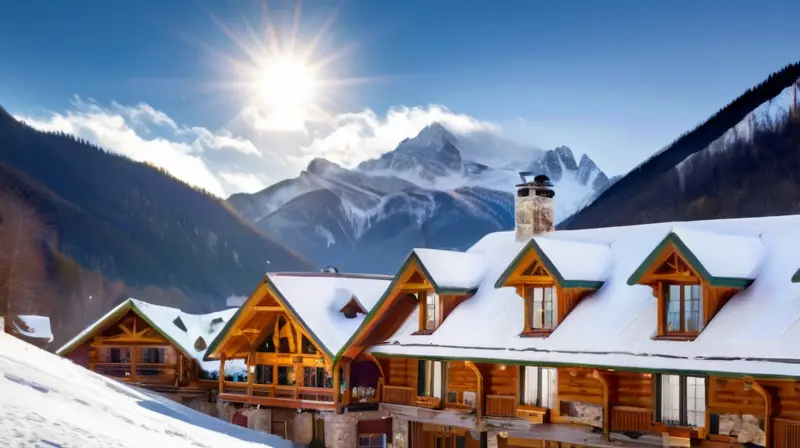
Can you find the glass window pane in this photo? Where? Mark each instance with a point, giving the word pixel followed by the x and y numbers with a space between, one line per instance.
pixel 437 379
pixel 531 391
pixel 695 401
pixel 548 383
pixel 549 307
pixel 538 307
pixel 673 301
pixel 693 307
pixel 670 400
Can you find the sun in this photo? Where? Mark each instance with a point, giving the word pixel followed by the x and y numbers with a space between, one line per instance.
pixel 287 83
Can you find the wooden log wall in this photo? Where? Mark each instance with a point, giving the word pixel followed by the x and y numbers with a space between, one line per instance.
pixel 400 371
pixel 634 389
pixel 461 378
pixel 502 380
pixel 579 385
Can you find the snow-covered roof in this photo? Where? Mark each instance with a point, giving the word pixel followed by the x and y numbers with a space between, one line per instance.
pixel 747 252
pixel 755 332
pixel 449 269
pixel 37 327
pixel 317 298
pixel 167 321
pixel 570 262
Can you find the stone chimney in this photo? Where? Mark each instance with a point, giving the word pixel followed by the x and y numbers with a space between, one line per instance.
pixel 533 208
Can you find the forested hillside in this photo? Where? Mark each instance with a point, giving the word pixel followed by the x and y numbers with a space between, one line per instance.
pixel 133 223
pixel 741 180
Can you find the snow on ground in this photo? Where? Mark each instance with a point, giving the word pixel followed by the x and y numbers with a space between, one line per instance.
pixel 47 402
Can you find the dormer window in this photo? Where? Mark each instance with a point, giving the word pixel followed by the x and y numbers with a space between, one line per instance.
pixel 692 282
pixel 684 313
pixel 552 281
pixel 432 309
pixel 540 305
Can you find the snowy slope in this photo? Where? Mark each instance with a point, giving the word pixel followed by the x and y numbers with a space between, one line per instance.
pixel 429 192
pixel 46 401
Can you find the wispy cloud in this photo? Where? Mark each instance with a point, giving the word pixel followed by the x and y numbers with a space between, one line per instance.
pixel 224 162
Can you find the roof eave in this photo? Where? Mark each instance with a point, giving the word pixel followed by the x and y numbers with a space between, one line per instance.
pixel 587 365
pixel 691 258
pixel 549 265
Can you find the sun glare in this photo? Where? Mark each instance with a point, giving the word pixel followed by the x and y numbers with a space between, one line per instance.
pixel 287 83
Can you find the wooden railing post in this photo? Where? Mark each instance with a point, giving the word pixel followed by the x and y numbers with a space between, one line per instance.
pixel 221 372
pixel 134 352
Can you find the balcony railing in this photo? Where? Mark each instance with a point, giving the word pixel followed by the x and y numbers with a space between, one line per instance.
pixel 399 395
pixel 501 405
pixel 289 393
pixel 786 433
pixel 140 372
pixel 626 418
pixel 428 402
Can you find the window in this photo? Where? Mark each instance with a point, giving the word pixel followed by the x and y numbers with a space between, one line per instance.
pixel 286 376
pixel 681 400
pixel 316 377
pixel 432 311
pixel 429 379
pixel 153 355
pixel 684 308
pixel 263 374
pixel 541 307
pixel 538 386
pixel 371 440
pixel 119 355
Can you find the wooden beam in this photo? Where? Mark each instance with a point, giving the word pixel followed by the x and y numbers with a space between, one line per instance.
pixel 480 397
pixel 767 397
pixel 604 385
pixel 266 309
pixel 125 329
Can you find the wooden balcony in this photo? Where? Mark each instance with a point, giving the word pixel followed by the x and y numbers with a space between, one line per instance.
pixel 278 395
pixel 147 373
pixel 785 433
pixel 626 418
pixel 428 402
pixel 501 405
pixel 399 395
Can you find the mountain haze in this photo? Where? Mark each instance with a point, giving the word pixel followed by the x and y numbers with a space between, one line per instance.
pixel 427 192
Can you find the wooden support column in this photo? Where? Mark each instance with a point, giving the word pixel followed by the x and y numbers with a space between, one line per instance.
pixel 348 391
pixel 337 388
pixel 250 374
pixel 134 353
pixel 479 393
pixel 749 382
pixel 222 372
pixel 604 380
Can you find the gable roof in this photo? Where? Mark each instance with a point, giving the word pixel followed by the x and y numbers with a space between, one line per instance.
pixel 450 270
pixel 721 259
pixel 162 319
pixel 614 326
pixel 315 300
pixel 573 264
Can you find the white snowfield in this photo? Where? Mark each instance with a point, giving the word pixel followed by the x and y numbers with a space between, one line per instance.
pixel 49 402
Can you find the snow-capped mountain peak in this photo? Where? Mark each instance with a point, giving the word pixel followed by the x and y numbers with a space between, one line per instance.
pixel 427 192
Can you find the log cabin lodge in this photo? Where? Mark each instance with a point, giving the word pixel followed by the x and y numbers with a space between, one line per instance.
pixel 660 335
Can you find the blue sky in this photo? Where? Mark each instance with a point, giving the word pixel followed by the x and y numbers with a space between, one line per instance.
pixel 616 79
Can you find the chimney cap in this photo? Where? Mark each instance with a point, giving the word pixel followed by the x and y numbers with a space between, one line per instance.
pixel 538 181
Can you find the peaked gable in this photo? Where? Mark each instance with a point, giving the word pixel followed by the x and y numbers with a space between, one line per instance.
pixel 719 259
pixel 436 269
pixel 571 264
pixel 311 300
